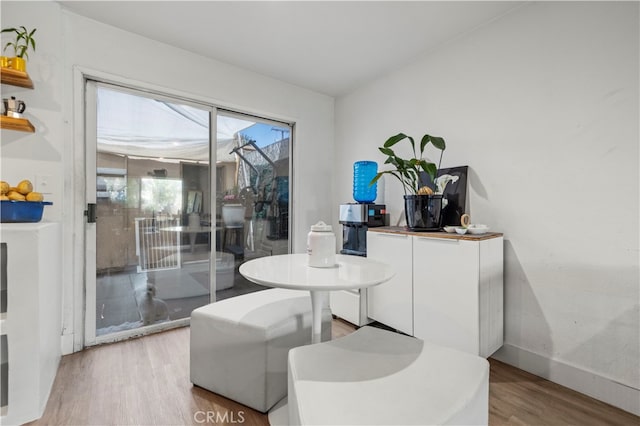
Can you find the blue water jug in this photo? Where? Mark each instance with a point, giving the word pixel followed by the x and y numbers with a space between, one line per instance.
pixel 363 172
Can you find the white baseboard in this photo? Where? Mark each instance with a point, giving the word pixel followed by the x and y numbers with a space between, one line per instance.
pixel 66 344
pixel 602 388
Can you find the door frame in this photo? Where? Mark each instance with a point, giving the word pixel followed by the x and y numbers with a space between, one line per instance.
pixel 73 338
pixel 86 319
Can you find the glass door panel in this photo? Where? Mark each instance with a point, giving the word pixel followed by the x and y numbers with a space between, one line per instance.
pixel 252 196
pixel 153 207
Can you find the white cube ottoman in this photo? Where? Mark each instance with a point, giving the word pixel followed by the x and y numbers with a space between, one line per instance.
pixel 239 346
pixel 225 264
pixel 377 377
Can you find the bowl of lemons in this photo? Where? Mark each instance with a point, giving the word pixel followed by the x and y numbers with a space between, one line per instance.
pixel 21 203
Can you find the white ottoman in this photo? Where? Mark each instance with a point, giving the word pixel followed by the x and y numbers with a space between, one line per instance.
pixel 225 264
pixel 239 346
pixel 377 377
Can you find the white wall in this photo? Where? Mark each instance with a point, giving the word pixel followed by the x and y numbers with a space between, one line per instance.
pixel 26 155
pixel 542 105
pixel 66 40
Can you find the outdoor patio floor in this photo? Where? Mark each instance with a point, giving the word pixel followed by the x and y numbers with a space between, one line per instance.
pixel 183 289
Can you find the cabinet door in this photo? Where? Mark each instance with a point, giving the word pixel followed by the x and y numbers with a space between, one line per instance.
pixel 445 284
pixel 391 303
pixel 491 296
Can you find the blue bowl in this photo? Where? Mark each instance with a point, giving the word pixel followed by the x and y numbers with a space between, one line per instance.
pixel 12 211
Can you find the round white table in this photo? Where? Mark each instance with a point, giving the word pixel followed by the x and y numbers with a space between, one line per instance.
pixel 291 271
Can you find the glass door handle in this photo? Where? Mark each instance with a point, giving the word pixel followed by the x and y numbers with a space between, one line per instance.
pixel 90 213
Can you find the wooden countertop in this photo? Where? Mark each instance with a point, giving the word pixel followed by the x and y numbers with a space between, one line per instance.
pixel 436 234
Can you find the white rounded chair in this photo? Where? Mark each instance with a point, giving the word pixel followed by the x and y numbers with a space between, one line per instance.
pixel 377 377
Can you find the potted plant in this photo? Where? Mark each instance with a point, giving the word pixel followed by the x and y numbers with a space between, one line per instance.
pixel 421 205
pixel 24 39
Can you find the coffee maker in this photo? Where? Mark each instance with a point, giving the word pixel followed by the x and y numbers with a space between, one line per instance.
pixel 13 107
pixel 356 218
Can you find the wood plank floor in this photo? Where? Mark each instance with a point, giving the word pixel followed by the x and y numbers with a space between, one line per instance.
pixel 145 381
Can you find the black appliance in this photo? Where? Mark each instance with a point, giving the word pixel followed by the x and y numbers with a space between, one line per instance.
pixel 356 218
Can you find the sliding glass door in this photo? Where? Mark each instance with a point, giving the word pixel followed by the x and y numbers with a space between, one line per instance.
pixel 149 213
pixel 166 233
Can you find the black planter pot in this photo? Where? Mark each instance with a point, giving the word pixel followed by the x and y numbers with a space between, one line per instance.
pixel 423 212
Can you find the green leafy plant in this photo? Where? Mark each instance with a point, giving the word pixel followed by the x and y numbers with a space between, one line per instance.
pixel 407 171
pixel 24 39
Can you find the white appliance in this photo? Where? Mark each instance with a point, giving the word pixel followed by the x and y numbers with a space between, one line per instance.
pixel 356 218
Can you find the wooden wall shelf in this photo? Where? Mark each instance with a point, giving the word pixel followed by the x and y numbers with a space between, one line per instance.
pixel 15 78
pixel 20 124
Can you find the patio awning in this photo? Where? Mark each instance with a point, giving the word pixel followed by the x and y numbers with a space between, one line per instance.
pixel 138 126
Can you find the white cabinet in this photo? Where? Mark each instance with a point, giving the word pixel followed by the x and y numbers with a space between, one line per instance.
pixel 391 303
pixel 350 305
pixel 452 287
pixel 457 293
pixel 32 322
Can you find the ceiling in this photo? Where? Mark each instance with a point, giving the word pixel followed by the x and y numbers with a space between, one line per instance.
pixel 329 47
